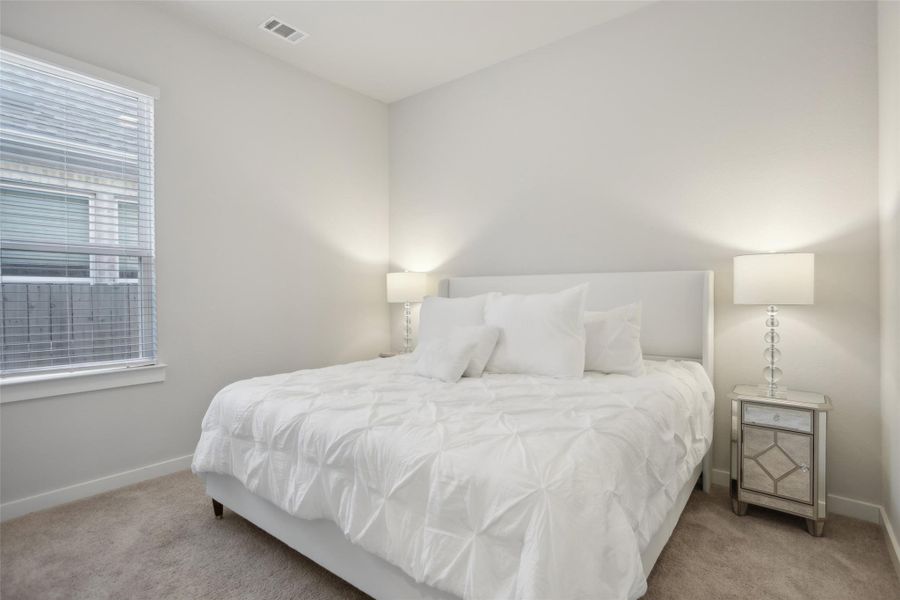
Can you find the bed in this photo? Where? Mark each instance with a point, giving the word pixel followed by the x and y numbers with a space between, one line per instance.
pixel 495 487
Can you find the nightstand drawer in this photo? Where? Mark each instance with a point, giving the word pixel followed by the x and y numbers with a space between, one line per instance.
pixel 778 416
pixel 777 463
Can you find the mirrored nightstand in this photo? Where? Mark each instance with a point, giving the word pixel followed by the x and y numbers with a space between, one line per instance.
pixel 778 453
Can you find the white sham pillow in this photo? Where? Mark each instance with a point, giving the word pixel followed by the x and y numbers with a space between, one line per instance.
pixel 540 334
pixel 614 340
pixel 439 316
pixel 445 358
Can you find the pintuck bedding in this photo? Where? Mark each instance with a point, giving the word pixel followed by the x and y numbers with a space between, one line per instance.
pixel 503 486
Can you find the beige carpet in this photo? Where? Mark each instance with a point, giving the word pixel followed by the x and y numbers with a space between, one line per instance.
pixel 158 539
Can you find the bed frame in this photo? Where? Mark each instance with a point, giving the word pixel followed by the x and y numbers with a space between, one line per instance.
pixel 677 322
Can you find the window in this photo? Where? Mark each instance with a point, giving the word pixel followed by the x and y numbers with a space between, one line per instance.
pixel 76 221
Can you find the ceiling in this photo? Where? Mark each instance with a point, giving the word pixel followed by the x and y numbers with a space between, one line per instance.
pixel 391 50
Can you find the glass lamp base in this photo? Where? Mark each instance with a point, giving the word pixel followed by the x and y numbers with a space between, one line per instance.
pixel 407 328
pixel 771 373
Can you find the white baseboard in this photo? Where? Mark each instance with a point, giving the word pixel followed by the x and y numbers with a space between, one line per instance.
pixel 17 508
pixel 839 505
pixel 721 477
pixel 851 507
pixel 892 541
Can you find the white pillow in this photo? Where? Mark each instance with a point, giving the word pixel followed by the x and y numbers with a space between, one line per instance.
pixel 438 316
pixel 540 334
pixel 614 340
pixel 445 358
pixel 485 338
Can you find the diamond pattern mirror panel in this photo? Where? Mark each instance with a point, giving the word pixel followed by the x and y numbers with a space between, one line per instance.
pixel 777 463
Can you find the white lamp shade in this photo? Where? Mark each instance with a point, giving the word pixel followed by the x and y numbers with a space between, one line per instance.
pixel 774 278
pixel 406 287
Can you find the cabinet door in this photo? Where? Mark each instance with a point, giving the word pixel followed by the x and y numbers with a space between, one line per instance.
pixel 777 463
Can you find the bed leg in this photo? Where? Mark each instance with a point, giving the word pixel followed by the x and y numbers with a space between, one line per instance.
pixel 707 471
pixel 218 509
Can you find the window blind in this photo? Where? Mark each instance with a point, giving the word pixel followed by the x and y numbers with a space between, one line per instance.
pixel 76 221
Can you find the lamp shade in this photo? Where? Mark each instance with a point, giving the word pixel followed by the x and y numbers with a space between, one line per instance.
pixel 406 287
pixel 786 278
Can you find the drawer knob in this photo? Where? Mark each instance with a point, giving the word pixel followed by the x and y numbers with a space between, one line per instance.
pixel 804 468
pixel 777 417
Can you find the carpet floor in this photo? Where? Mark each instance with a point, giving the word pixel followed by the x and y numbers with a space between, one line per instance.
pixel 158 539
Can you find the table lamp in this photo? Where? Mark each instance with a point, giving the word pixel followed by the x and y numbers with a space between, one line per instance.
pixel 407 288
pixel 773 279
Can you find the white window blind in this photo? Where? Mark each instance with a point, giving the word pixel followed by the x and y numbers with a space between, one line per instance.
pixel 76 221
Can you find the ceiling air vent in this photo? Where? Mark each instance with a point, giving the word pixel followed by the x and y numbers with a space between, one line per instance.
pixel 283 30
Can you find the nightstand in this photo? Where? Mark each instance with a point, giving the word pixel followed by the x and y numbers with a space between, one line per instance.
pixel 778 453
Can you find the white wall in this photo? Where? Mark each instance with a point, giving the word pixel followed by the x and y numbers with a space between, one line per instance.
pixel 675 138
pixel 271 198
pixel 889 192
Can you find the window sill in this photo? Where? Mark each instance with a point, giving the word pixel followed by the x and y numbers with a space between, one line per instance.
pixel 30 387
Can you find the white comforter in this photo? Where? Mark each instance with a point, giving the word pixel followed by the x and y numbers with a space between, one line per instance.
pixel 505 486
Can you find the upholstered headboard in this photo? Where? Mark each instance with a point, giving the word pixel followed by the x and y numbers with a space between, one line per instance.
pixel 677 306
